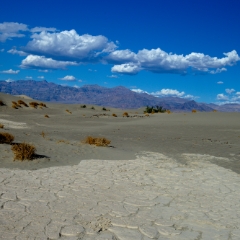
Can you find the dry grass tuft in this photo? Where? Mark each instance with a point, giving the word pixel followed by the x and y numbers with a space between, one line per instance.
pixel 125 114
pixel 15 105
pixel 42 105
pixel 2 103
pixel 114 115
pixel 168 111
pixel 46 116
pixel 97 141
pixel 21 102
pixel 34 104
pixel 214 110
pixel 194 111
pixel 1 125
pixel 6 138
pixel 68 111
pixel 147 115
pixel 43 134
pixel 23 151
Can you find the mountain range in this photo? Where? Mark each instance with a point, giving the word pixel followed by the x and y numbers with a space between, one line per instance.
pixel 118 97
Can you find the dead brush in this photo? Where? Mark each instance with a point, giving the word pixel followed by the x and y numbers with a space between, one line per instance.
pixel 194 111
pixel 23 151
pixel 6 138
pixel 68 111
pixel 114 115
pixel 2 103
pixel 42 105
pixel 1 125
pixel 21 102
pixel 46 116
pixel 103 142
pixel 15 105
pixel 125 114
pixel 168 112
pixel 34 104
pixel 43 134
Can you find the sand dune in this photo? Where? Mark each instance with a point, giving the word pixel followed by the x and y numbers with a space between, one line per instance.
pixel 166 176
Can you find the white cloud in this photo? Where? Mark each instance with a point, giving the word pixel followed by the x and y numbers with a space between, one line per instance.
pixel 41 29
pixel 10 71
pixel 76 86
pixel 14 51
pixel 35 62
pixel 80 80
pixel 41 77
pixel 218 70
pixel 229 91
pixel 168 92
pixel 222 97
pixel 128 68
pixel 28 77
pixel 68 78
pixel 112 76
pixel 138 90
pixel 9 80
pixel 9 30
pixel 220 82
pixel 68 45
pixel 237 93
pixel 2 50
pixel 159 61
pixel 45 70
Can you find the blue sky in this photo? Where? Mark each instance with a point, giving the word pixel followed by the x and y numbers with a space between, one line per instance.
pixel 166 48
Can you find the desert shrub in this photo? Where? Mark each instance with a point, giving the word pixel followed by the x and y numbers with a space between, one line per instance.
pixel 97 141
pixel 155 109
pixel 1 125
pixel 168 111
pixel 83 106
pixel 6 138
pixel 68 111
pixel 42 105
pixel 21 102
pixel 14 106
pixel 34 104
pixel 46 116
pixel 214 110
pixel 194 111
pixel 114 115
pixel 125 114
pixel 93 108
pixel 104 109
pixel 146 114
pixel 2 103
pixel 43 134
pixel 23 151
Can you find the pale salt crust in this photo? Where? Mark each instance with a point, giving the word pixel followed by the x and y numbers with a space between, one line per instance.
pixel 151 197
pixel 14 125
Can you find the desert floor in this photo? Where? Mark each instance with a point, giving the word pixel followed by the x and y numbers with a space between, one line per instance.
pixel 166 176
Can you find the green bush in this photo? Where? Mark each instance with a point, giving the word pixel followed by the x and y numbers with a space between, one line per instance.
pixel 155 109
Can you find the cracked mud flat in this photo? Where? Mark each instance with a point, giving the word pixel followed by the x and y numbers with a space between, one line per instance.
pixel 151 197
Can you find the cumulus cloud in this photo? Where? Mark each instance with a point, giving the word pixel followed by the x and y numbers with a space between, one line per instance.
pixel 128 68
pixel 222 97
pixel 10 71
pixel 229 91
pixel 220 82
pixel 41 29
pixel 168 93
pixel 15 51
pixel 28 77
pixel 9 80
pixel 68 78
pixel 159 61
pixel 41 77
pixel 43 70
pixel 41 62
pixel 68 45
pixel 9 30
pixel 112 76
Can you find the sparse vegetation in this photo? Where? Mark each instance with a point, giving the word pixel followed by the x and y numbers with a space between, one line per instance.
pixel 156 109
pixel 114 115
pixel 2 103
pixel 83 106
pixel 97 141
pixel 104 109
pixel 214 110
pixel 15 105
pixel 42 105
pixel 93 108
pixel 34 104
pixel 43 134
pixel 168 111
pixel 125 114
pixel 21 102
pixel 46 116
pixel 1 125
pixel 23 151
pixel 194 111
pixel 6 138
pixel 68 111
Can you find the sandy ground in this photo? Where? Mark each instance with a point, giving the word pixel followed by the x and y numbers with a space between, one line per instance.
pixel 149 174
